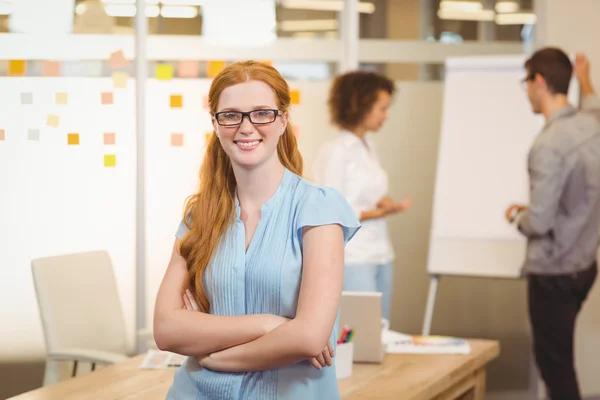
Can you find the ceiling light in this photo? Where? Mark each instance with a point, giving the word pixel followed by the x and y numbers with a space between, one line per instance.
pixel 516 19
pixel 483 15
pixel 178 12
pixel 507 7
pixel 309 25
pixel 461 6
pixel 326 5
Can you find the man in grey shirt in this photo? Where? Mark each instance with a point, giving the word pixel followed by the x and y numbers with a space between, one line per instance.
pixel 562 221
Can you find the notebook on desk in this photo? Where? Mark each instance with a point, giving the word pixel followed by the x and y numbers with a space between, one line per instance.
pixel 362 312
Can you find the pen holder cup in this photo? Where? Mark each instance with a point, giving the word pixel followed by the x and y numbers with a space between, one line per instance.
pixel 344 355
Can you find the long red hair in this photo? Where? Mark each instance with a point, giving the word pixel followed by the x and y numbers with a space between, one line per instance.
pixel 211 211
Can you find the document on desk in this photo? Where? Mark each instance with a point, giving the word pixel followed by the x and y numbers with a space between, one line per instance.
pixel 400 343
pixel 157 359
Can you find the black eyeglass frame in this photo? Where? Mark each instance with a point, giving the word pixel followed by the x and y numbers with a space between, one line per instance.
pixel 276 113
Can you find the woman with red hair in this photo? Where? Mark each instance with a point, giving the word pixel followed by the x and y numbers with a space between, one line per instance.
pixel 262 253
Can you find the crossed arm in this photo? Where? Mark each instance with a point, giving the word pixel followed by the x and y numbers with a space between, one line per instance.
pixel 258 342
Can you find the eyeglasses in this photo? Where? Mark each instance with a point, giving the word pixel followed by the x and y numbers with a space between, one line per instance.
pixel 257 117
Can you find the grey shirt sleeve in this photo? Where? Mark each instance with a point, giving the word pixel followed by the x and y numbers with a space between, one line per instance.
pixel 547 179
pixel 591 104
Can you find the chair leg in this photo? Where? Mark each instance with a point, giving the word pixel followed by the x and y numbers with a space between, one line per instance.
pixel 51 372
pixel 74 373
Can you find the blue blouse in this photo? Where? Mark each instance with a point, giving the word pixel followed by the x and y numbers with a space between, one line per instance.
pixel 266 280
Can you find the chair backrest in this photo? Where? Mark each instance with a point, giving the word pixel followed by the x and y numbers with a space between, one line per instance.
pixel 79 302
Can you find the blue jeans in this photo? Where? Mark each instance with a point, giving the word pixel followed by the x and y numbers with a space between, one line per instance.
pixel 371 278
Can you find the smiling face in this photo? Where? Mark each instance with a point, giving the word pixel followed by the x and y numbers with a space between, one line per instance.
pixel 249 145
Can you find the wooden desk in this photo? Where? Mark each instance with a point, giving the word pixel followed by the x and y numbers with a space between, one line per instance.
pixel 406 377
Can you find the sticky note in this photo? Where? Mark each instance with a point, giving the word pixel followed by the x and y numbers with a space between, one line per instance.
pixel 2 135
pixel 107 98
pixel 53 120
pixel 296 130
pixel 51 68
pixel 164 72
pixel 214 67
pixel 117 60
pixel 177 139
pixel 110 160
pixel 26 98
pixel 188 69
pixel 33 134
pixel 17 67
pixel 109 138
pixel 120 79
pixel 176 101
pixel 205 104
pixel 73 138
pixel 295 96
pixel 62 98
pixel 269 63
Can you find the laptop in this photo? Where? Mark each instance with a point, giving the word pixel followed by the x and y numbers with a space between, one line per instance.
pixel 361 311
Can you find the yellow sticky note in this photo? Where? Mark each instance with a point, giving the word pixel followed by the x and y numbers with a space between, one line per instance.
pixel 17 67
pixel 214 67
pixel 176 101
pixel 73 138
pixel 110 160
pixel 53 120
pixel 164 72
pixel 295 96
pixel 62 98
pixel 120 79
pixel 269 63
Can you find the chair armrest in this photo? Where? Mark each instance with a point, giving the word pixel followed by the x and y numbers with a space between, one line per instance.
pixel 87 355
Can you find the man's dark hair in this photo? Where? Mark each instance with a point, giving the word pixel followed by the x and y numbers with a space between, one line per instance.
pixel 554 66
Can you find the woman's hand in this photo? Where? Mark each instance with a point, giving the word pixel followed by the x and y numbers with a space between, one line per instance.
pixel 271 322
pixel 389 206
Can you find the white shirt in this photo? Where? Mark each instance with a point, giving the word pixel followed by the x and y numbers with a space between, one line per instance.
pixel 351 165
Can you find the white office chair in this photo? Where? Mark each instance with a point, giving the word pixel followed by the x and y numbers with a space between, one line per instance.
pixel 80 312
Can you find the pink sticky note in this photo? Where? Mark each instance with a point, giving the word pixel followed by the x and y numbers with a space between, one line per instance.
pixel 2 135
pixel 107 98
pixel 177 139
pixel 117 60
pixel 188 69
pixel 51 68
pixel 109 138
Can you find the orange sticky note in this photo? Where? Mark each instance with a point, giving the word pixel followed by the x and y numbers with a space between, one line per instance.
pixel 296 130
pixel 17 67
pixel 188 69
pixel 177 139
pixel 53 120
pixel 110 160
pixel 214 67
pixel 109 138
pixel 120 79
pixel 107 98
pixel 2 135
pixel 62 98
pixel 205 104
pixel 295 96
pixel 117 60
pixel 176 101
pixel 51 68
pixel 73 138
pixel 164 72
